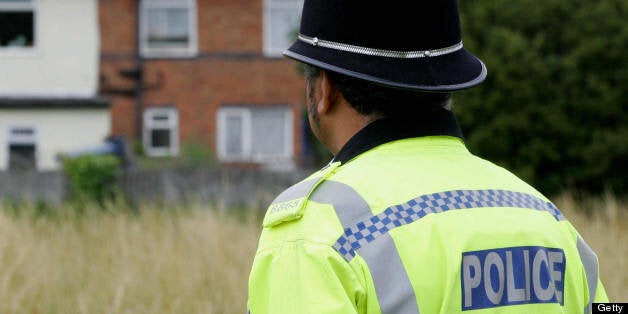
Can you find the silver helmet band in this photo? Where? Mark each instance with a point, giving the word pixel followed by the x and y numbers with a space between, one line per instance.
pixel 314 41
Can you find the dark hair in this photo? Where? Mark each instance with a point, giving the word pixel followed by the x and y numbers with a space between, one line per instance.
pixel 369 98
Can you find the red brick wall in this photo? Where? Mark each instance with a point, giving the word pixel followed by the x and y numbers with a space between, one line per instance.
pixel 199 87
pixel 229 69
pixel 230 25
pixel 117 26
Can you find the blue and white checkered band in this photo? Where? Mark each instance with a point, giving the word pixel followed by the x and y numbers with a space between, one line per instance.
pixel 368 230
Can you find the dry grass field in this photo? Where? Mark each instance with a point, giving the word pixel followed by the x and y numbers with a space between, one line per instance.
pixel 605 228
pixel 179 261
pixel 187 260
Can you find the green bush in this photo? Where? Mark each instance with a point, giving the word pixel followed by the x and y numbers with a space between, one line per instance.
pixel 197 154
pixel 92 177
pixel 553 107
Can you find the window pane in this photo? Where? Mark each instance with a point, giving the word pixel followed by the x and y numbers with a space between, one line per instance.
pixel 234 136
pixel 284 25
pixel 269 133
pixel 161 131
pixel 160 138
pixel 16 29
pixel 21 157
pixel 168 27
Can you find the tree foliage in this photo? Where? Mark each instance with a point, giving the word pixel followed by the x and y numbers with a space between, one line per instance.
pixel 552 108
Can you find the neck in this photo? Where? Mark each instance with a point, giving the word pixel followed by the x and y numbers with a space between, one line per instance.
pixel 344 127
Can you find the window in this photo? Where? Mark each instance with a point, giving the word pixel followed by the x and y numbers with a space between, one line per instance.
pixel 281 24
pixel 255 134
pixel 161 131
pixel 22 152
pixel 17 24
pixel 168 28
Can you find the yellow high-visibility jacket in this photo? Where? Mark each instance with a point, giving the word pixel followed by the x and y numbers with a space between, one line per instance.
pixel 418 225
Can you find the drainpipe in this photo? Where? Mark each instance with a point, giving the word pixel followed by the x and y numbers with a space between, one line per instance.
pixel 139 64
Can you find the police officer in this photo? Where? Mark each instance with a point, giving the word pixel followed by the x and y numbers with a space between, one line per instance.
pixel 405 219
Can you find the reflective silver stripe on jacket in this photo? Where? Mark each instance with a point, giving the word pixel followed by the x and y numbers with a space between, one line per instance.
pixel 392 284
pixel 349 205
pixel 589 260
pixel 298 190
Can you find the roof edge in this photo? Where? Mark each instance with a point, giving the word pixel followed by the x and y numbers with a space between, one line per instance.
pixel 97 102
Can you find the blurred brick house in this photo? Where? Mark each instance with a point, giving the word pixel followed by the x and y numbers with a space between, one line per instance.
pixel 49 101
pixel 206 72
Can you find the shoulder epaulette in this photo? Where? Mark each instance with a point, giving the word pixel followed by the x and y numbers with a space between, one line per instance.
pixel 289 205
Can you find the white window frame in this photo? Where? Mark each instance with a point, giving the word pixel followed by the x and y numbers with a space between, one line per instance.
pixel 173 52
pixel 171 124
pixel 24 139
pixel 223 115
pixel 244 112
pixel 29 6
pixel 268 31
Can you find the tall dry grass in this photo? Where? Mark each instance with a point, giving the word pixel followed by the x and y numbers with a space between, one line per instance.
pixel 603 223
pixel 189 260
pixel 155 261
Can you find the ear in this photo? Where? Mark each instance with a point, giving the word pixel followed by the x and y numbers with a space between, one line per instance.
pixel 329 94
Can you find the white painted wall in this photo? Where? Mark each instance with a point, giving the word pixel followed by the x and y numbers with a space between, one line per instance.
pixel 57 131
pixel 64 61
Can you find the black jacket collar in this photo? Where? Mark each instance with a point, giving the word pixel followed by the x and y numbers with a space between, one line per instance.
pixel 437 122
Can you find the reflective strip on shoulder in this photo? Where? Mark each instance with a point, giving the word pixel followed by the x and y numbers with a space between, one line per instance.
pixel 349 205
pixel 298 190
pixel 589 261
pixel 392 284
pixel 365 231
pixel 290 203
